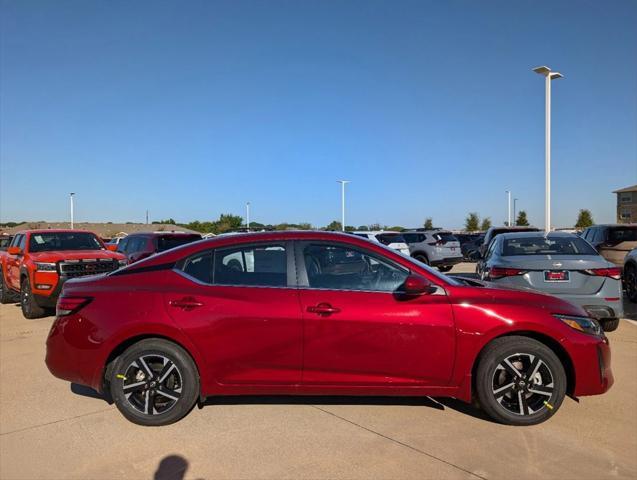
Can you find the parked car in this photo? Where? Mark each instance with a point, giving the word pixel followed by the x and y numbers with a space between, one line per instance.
pixel 437 248
pixel 613 242
pixel 470 245
pixel 392 239
pixel 5 240
pixel 489 235
pixel 560 264
pixel 138 246
pixel 630 275
pixel 307 313
pixel 38 262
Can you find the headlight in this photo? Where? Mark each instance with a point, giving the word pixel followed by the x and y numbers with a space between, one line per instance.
pixel 45 267
pixel 583 324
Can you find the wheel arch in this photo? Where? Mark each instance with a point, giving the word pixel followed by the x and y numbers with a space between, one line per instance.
pixel 546 340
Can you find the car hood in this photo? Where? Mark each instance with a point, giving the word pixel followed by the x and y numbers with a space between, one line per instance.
pixel 58 256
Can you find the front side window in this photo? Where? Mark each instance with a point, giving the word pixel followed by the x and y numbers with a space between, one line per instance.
pixel 56 241
pixel 336 267
pixel 254 265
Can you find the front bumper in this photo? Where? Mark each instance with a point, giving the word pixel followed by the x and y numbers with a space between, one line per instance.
pixel 592 362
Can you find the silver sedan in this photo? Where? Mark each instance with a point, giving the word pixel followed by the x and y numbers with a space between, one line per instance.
pixel 560 264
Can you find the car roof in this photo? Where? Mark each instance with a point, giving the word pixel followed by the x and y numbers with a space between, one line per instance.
pixel 157 234
pixel 54 230
pixel 611 225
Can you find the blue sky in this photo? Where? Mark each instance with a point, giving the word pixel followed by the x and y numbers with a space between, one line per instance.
pixel 191 108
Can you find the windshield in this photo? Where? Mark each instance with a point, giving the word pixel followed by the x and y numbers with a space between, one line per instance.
pixel 546 246
pixel 623 234
pixel 171 241
pixel 53 241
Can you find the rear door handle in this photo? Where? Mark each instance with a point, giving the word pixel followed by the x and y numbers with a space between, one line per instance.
pixel 186 303
pixel 323 309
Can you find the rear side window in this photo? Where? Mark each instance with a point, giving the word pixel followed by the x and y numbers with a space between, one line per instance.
pixel 255 265
pixel 445 237
pixel 387 238
pixel 166 242
pixel 199 266
pixel 413 237
pixel 622 234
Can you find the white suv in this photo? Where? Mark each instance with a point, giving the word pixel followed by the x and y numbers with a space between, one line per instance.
pixel 391 239
pixel 437 247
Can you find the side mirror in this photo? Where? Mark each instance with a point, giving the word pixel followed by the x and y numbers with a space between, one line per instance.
pixel 14 251
pixel 112 247
pixel 417 285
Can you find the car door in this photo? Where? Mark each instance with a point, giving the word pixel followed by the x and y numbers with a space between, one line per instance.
pixel 14 262
pixel 359 331
pixel 240 305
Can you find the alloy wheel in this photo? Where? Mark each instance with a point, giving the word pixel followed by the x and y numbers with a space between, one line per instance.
pixel 152 384
pixel 522 384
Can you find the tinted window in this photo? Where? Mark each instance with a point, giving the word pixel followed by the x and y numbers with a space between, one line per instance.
pixel 121 246
pixel 387 238
pixel 262 265
pixel 413 237
pixel 50 241
pixel 622 234
pixel 547 246
pixel 199 266
pixel 4 242
pixel 445 237
pixel 171 241
pixel 343 268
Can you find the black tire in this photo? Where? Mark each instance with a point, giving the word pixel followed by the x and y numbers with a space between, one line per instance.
pixel 422 258
pixel 162 398
pixel 506 391
pixel 30 308
pixel 610 324
pixel 6 295
pixel 630 281
pixel 446 268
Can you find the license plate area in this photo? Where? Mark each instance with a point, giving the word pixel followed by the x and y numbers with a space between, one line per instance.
pixel 556 276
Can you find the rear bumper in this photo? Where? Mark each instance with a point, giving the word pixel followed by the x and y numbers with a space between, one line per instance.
pixel 597 305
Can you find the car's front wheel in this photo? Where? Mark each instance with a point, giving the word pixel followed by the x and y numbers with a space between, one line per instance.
pixel 30 308
pixel 520 381
pixel 154 382
pixel 630 281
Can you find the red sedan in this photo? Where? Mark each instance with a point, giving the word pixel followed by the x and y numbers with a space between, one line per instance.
pixel 307 313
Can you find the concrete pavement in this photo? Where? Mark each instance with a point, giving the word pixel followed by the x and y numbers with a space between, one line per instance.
pixel 49 429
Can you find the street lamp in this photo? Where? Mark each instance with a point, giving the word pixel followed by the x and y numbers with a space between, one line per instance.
pixel 515 201
pixel 508 192
pixel 248 215
pixel 71 195
pixel 343 182
pixel 548 75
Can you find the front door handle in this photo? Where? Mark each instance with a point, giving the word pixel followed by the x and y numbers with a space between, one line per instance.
pixel 323 309
pixel 186 303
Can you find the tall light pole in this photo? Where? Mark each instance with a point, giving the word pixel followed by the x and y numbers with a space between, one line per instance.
pixel 548 75
pixel 71 195
pixel 515 201
pixel 248 215
pixel 343 182
pixel 508 192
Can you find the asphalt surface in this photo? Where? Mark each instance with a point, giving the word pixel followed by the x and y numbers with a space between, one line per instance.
pixel 50 429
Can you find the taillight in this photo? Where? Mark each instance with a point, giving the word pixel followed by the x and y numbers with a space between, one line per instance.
pixel 500 272
pixel 69 305
pixel 613 272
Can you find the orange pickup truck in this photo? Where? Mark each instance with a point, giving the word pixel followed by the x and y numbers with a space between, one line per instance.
pixel 38 262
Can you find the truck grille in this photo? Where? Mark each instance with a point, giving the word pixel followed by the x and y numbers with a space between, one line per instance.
pixel 81 268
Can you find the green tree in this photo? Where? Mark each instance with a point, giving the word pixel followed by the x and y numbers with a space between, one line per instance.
pixel 334 225
pixel 584 219
pixel 169 221
pixel 396 228
pixel 429 224
pixel 363 228
pixel 227 222
pixel 522 221
pixel 472 222
pixel 486 224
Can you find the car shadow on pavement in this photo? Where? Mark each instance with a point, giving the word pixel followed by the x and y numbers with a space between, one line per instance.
pixel 84 391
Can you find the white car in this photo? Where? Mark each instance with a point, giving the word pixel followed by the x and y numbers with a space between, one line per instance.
pixel 391 239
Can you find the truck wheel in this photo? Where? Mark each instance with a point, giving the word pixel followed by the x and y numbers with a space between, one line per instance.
pixel 519 381
pixel 30 309
pixel 609 325
pixel 6 296
pixel 154 382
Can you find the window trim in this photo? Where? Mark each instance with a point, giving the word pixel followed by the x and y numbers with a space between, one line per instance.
pixel 303 282
pixel 290 264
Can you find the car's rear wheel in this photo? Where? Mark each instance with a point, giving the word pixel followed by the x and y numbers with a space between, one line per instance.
pixel 422 258
pixel 446 268
pixel 154 382
pixel 630 281
pixel 6 296
pixel 609 324
pixel 520 381
pixel 30 308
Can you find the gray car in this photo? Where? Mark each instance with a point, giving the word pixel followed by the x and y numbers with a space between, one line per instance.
pixel 437 247
pixel 560 264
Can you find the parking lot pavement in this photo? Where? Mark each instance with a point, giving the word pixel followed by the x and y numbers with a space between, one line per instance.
pixel 50 429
